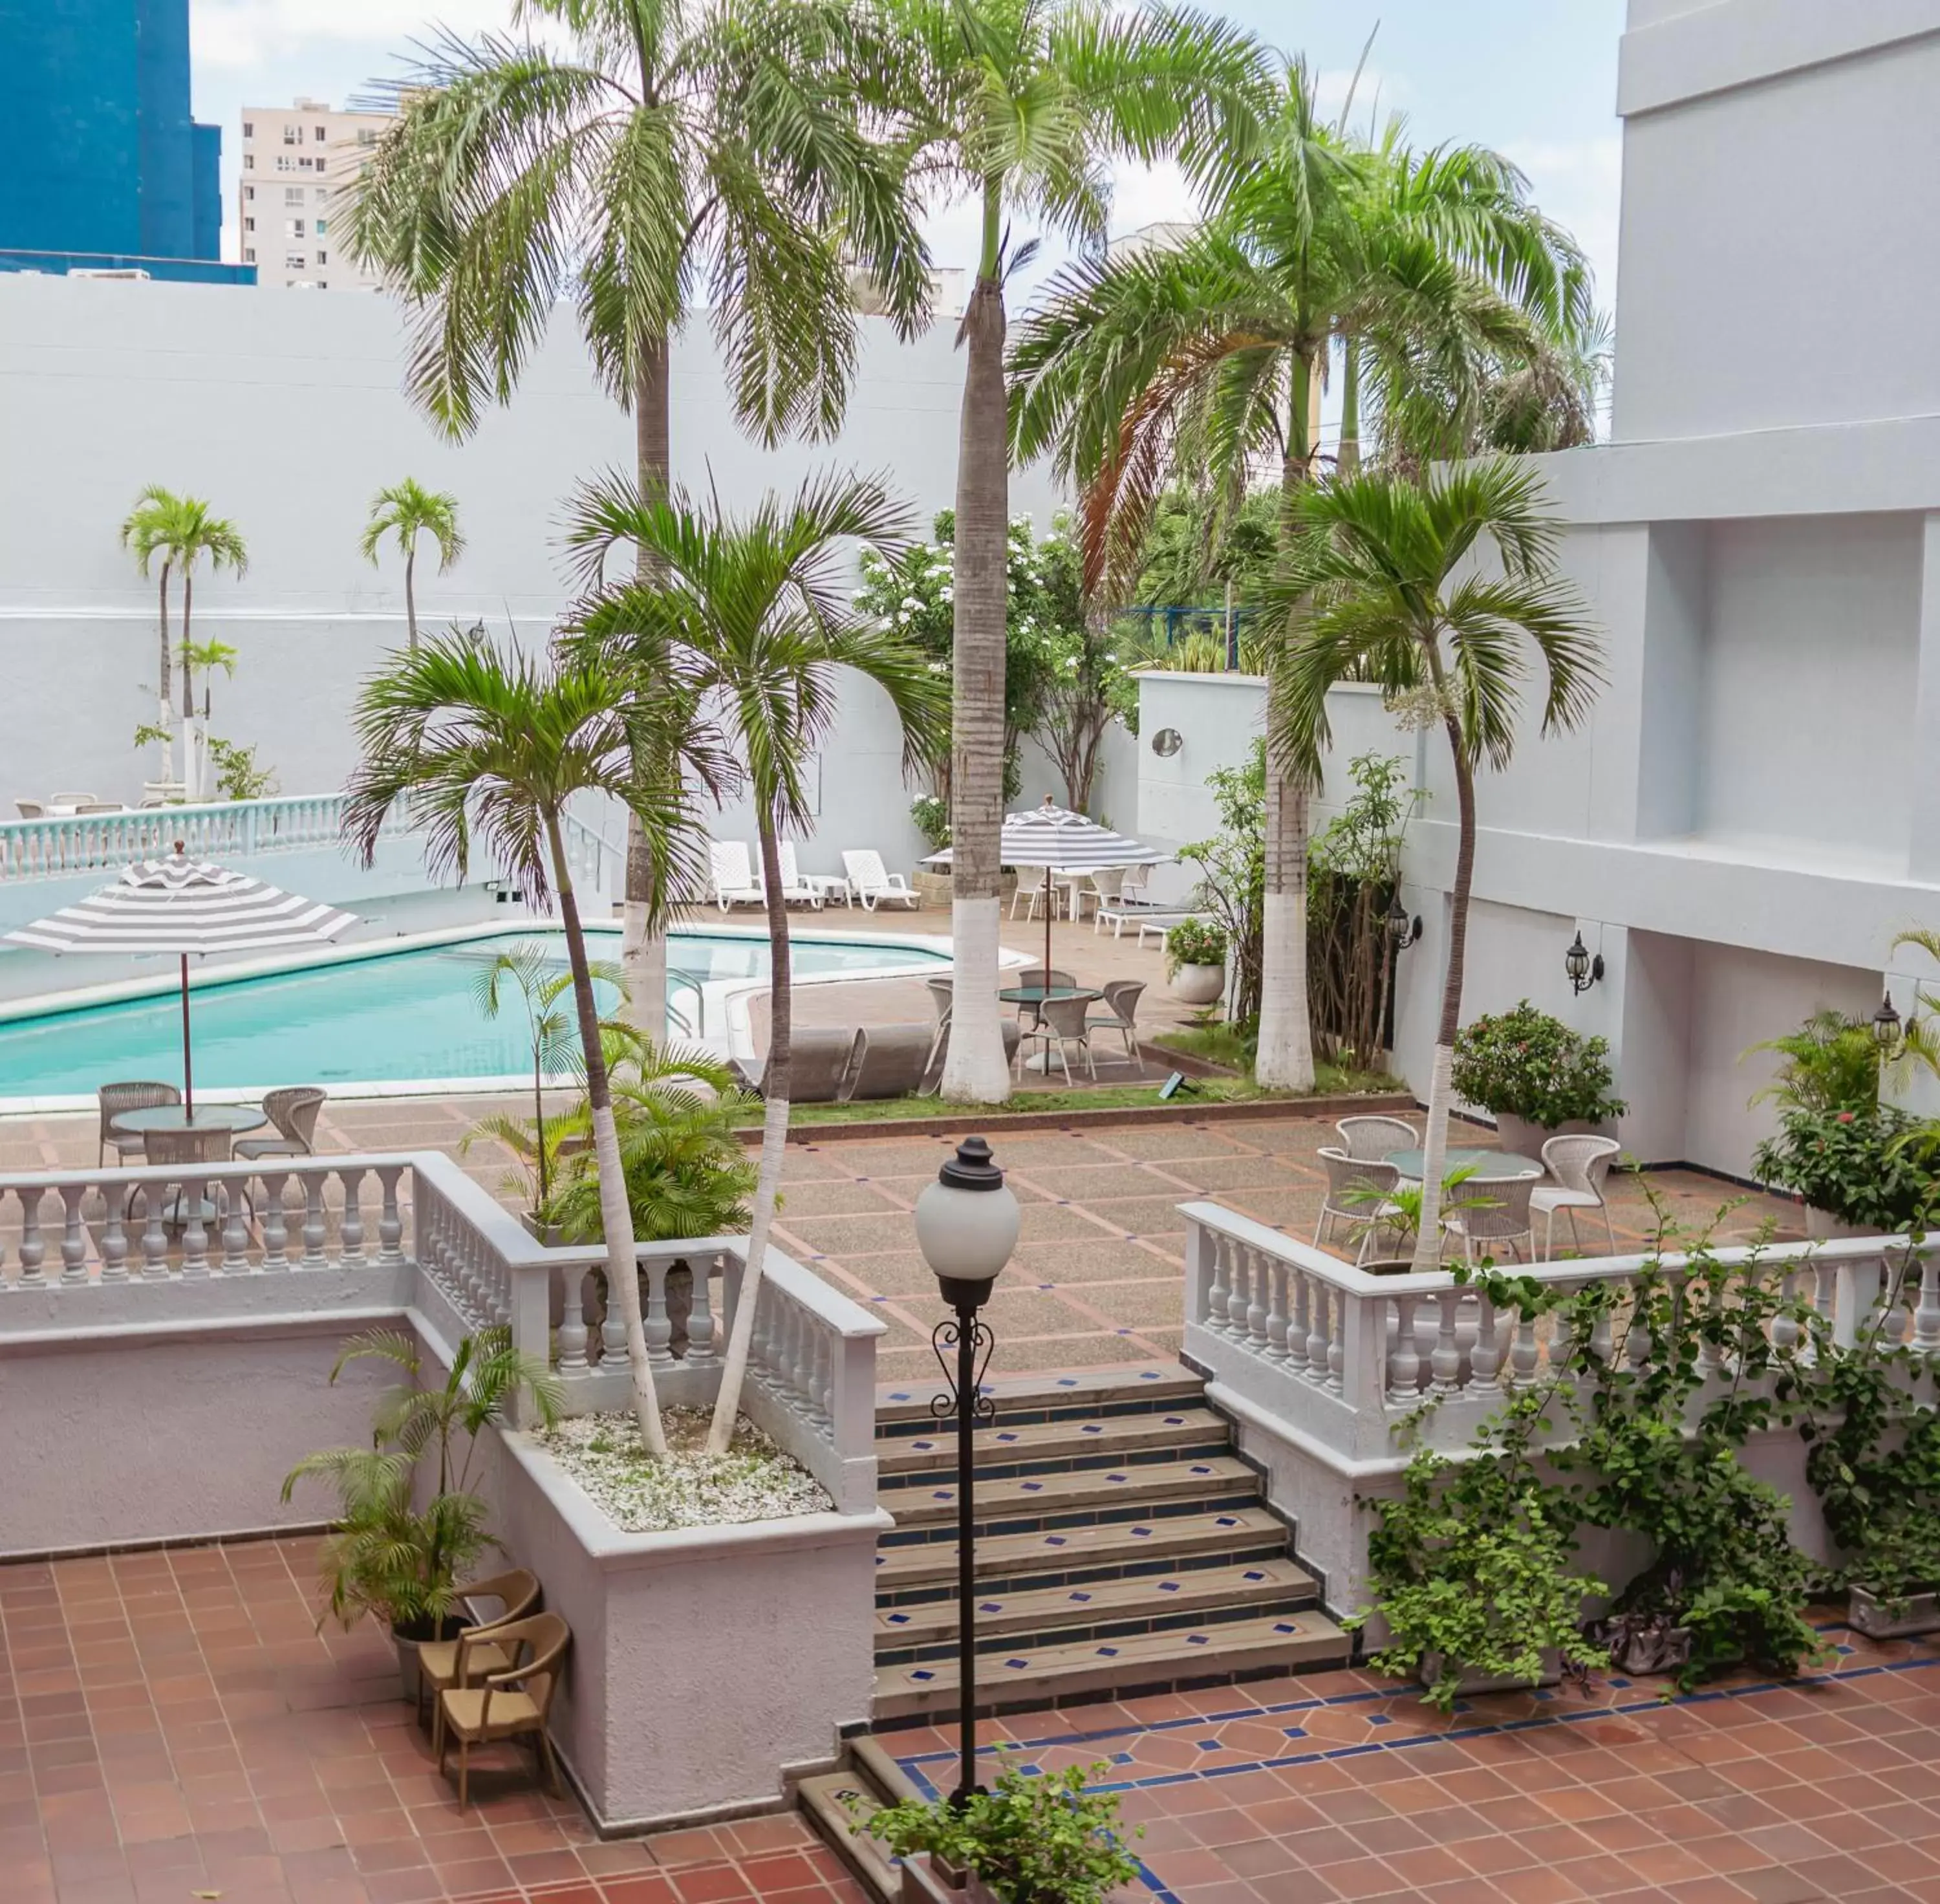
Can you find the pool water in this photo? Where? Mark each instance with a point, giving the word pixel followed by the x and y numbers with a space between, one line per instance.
pixel 405 1016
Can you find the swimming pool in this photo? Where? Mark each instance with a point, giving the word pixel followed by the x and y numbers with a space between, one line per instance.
pixel 396 1018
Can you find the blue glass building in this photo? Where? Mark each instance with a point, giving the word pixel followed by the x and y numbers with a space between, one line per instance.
pixel 105 168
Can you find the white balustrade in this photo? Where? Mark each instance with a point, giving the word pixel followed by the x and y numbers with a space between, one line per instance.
pixel 61 846
pixel 1344 1356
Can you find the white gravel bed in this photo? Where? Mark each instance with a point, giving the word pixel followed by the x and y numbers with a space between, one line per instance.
pixel 753 1481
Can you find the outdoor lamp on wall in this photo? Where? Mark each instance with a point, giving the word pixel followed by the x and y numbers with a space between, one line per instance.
pixel 1167 741
pixel 1887 1025
pixel 1584 968
pixel 1403 929
pixel 966 1227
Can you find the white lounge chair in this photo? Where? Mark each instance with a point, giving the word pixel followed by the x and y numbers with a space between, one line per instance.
pixel 797 891
pixel 735 881
pixel 874 886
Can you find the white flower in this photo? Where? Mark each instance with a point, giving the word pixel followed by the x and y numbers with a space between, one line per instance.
pixel 947 594
pixel 902 617
pixel 912 601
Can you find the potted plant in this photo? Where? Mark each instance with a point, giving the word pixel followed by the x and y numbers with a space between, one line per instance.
pixel 386 1554
pixel 1860 1171
pixel 930 814
pixel 1536 1076
pixel 1033 1838
pixel 1893 1580
pixel 1470 1570
pixel 1195 961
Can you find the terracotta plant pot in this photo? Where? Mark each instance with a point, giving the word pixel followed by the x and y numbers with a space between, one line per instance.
pixel 1893 1616
pixel 1199 984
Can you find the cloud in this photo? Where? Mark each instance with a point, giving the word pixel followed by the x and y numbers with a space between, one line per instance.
pixel 1579 183
pixel 236 35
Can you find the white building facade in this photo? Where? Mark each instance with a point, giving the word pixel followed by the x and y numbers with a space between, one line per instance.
pixel 1750 815
pixel 298 163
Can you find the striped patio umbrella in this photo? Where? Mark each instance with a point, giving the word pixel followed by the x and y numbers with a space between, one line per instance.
pixel 187 907
pixel 1061 841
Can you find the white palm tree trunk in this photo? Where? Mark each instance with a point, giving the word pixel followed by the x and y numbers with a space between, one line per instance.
pixel 643 950
pixel 616 1214
pixel 1285 1059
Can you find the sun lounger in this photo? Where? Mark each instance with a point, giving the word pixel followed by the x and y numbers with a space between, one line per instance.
pixel 1120 913
pixel 890 1061
pixel 819 1063
pixel 872 885
pixel 735 883
pixel 796 891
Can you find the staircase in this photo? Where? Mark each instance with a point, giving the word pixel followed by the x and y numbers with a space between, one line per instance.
pixel 1122 1547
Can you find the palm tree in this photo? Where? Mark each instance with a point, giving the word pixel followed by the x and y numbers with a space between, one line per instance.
pixel 1208 355
pixel 1018 104
pixel 1373 594
pixel 484 739
pixel 181 530
pixel 752 609
pixel 406 511
pixel 676 153
pixel 208 656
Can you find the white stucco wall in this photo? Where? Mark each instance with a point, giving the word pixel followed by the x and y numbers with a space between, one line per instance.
pixel 287 413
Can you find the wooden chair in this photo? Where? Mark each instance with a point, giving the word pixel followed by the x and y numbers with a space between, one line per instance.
pixel 516 1590
pixel 136 1094
pixel 512 1704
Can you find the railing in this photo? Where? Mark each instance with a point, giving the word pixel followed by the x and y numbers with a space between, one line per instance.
pixel 224 830
pixel 598 866
pixel 230 1243
pixel 1344 1357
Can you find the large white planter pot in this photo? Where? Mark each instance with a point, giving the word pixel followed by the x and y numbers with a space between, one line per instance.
pixel 1199 984
pixel 1822 1226
pixel 1520 1138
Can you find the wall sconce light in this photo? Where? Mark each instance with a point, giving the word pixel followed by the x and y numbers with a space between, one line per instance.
pixel 1402 929
pixel 1167 741
pixel 1886 1026
pixel 1584 968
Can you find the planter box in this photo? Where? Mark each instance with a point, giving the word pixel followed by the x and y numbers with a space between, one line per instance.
pixel 934 888
pixel 1892 1617
pixel 1199 984
pixel 1430 1670
pixel 709 1665
pixel 1520 1138
pixel 1822 1226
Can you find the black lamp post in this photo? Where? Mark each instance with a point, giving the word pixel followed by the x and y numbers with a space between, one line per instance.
pixel 966 1227
pixel 1584 967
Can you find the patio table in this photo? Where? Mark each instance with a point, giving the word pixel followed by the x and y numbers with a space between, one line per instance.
pixel 1483 1163
pixel 235 1118
pixel 829 886
pixel 1036 994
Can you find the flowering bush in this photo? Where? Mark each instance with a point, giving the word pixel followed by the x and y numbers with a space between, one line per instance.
pixel 1195 942
pixel 1528 1065
pixel 1857 1165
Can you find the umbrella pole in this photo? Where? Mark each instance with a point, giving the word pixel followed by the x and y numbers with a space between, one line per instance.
pixel 1050 900
pixel 188 1069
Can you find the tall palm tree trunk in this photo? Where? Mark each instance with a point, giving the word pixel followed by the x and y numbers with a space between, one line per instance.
pixel 643 951
pixel 975 1071
pixel 1348 459
pixel 192 752
pixel 1440 1089
pixel 616 1215
pixel 774 1136
pixel 1284 1060
pixel 166 683
pixel 410 595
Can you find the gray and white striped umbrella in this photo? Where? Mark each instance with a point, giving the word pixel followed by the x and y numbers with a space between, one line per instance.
pixel 186 907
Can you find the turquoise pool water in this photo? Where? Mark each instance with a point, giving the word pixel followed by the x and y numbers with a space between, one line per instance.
pixel 407 1015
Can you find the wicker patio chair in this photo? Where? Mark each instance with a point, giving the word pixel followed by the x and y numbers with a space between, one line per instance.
pixel 512 1704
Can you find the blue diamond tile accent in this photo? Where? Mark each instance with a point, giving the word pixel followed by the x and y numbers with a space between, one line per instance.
pixel 1016 1665
pixel 1254 1574
pixel 1009 1435
pixel 1295 1732
pixel 1202 1469
pixel 1121 1758
pixel 1847 1650
pixel 1055 1540
pixel 1093 1428
pixel 1033 1487
pixel 1195 1639
pixel 899 1397
pixel 1175 1421
pixel 1148 1374
pixel 1067 1381
pixel 922 1676
pixel 1141 1533
pixel 1108 1652
pixel 991 1606
pixel 1209 1745
pixel 1083 1599
pixel 1116 1477
pixel 1621 1685
pixel 1281 1626
pixel 1379 1719
pixel 899 1619
pixel 1031 1771
pixel 1225 1521
pixel 1168 1586
pixel 941 1494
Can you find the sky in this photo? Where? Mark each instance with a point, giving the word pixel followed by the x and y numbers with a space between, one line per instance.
pixel 1536 79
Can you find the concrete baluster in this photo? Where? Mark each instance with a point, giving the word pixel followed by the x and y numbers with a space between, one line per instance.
pixel 154 1235
pixel 390 1219
pixel 572 1329
pixel 1926 1315
pixel 235 1230
pixel 33 1245
pixel 1784 1328
pixel 1403 1362
pixel 195 1227
pixel 1276 1309
pixel 1526 1353
pixel 114 1235
pixel 659 1329
pixel 1445 1363
pixel 275 1229
pixel 1257 1337
pixel 1297 1323
pixel 314 1231
pixel 350 1223
pixel 1485 1358
pixel 74 1234
pixel 700 1350
pixel 612 1327
pixel 1319 1297
pixel 1217 1314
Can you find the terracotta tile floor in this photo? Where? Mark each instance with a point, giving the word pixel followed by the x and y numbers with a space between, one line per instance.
pixel 172 1728
pixel 1341 1786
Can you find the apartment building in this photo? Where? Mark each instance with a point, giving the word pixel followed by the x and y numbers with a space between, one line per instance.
pixel 298 162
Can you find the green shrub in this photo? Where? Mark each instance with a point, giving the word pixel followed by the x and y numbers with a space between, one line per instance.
pixel 1526 1064
pixel 931 814
pixel 1860 1165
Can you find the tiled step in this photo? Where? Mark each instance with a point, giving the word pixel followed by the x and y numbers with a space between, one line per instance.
pixel 1058 1674
pixel 836 1801
pixel 1045 1498
pixel 903 1407
pixel 1046 1558
pixel 1036 1447
pixel 1138 1601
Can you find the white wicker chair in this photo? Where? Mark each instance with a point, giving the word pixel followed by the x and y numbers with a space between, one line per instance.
pixel 1579 1164
pixel 1374 1139
pixel 1357 1192
pixel 1497 1212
